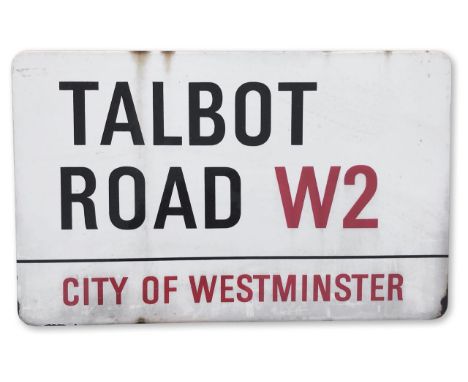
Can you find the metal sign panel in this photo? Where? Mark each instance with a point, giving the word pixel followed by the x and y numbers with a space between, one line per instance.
pixel 208 186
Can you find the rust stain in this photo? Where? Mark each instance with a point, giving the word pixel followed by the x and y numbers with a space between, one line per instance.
pixel 139 53
pixel 140 56
pixel 167 54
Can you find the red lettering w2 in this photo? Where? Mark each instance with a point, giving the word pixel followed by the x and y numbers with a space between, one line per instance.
pixel 321 206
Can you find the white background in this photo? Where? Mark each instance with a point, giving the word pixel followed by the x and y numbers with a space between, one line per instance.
pixel 364 351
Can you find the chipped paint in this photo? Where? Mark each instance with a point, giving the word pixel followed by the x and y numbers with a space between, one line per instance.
pixel 444 304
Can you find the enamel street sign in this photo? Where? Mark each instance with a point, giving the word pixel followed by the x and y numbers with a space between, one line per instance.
pixel 213 186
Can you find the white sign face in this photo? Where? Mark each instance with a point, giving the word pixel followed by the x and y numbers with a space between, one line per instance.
pixel 211 186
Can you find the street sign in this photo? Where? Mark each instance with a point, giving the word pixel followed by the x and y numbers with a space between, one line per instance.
pixel 225 186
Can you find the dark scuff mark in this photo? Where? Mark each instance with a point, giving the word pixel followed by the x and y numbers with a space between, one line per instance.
pixel 388 53
pixel 140 320
pixel 444 303
pixel 167 54
pixel 18 307
pixel 30 72
pixel 54 325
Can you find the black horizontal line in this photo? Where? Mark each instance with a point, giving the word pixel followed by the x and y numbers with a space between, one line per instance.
pixel 220 258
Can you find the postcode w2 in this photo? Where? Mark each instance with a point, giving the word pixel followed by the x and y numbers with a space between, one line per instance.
pixel 321 206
